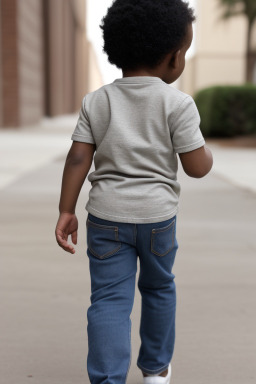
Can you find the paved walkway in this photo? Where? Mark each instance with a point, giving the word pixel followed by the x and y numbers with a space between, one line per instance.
pixel 26 149
pixel 45 292
pixel 29 148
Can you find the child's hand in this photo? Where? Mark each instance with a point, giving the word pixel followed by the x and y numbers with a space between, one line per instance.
pixel 66 225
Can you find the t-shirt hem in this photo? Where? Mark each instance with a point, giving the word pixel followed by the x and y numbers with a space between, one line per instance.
pixel 132 220
pixel 82 139
pixel 190 147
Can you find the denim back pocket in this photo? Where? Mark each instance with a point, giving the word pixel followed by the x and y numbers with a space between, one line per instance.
pixel 102 240
pixel 163 239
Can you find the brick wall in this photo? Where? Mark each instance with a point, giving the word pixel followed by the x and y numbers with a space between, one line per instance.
pixel 21 62
pixel 30 63
pixel 44 59
pixel 1 77
pixel 9 54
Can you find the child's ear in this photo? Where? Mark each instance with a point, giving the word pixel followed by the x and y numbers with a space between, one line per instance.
pixel 175 59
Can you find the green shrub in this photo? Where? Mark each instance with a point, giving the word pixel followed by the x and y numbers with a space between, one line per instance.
pixel 227 110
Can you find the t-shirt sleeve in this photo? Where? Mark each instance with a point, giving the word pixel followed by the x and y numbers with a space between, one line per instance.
pixel 185 127
pixel 83 132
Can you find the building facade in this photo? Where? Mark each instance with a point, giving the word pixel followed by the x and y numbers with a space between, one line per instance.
pixel 220 49
pixel 46 62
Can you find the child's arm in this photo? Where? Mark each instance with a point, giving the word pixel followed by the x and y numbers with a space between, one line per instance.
pixel 77 166
pixel 197 163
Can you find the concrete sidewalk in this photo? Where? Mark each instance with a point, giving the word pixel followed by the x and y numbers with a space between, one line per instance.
pixel 24 150
pixel 236 165
pixel 45 292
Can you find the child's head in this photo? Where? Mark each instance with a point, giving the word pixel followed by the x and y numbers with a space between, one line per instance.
pixel 145 33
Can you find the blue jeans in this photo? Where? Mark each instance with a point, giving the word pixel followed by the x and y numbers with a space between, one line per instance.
pixel 113 249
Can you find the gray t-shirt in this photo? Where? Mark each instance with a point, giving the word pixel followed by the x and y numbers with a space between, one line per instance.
pixel 138 124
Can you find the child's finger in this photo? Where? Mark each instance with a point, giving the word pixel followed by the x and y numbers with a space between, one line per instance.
pixel 74 237
pixel 64 244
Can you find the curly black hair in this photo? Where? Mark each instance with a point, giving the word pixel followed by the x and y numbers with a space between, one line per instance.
pixel 140 33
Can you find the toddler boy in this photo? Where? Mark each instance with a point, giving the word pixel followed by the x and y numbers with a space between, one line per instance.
pixel 134 128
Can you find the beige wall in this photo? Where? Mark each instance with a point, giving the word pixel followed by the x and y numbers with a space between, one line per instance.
pixel 95 79
pixel 214 35
pixel 82 58
pixel 253 41
pixel 66 67
pixel 219 70
pixel 81 66
pixel 219 50
pixel 187 82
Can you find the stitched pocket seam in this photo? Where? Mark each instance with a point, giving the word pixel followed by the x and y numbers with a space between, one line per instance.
pixel 158 230
pixel 110 253
pixel 89 222
pixel 104 227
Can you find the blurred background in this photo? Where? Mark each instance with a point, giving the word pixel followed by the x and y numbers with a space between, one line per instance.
pixel 50 57
pixel 51 54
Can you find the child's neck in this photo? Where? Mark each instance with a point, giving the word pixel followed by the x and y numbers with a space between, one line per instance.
pixel 141 72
